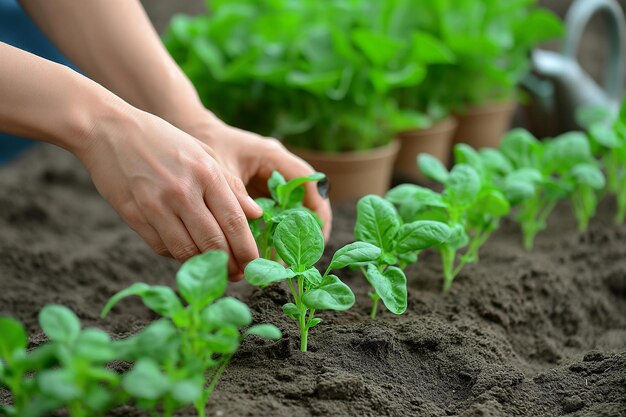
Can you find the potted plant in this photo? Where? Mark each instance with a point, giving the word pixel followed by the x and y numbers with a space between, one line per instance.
pixel 317 75
pixel 491 42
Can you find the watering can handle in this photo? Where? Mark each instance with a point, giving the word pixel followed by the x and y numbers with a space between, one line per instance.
pixel 577 19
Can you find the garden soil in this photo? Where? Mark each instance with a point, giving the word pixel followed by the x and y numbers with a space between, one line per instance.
pixel 519 334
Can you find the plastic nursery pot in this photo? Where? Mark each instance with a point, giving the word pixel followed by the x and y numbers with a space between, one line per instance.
pixel 353 175
pixel 435 140
pixel 485 125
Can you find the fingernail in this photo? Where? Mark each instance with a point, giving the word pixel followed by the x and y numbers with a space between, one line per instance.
pixel 323 188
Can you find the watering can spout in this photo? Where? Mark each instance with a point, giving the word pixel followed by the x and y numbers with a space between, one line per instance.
pixel 558 83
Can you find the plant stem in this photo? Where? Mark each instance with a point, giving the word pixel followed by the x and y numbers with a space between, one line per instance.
pixel 304 332
pixel 375 299
pixel 447 261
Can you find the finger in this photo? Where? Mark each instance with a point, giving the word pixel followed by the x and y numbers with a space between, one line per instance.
pixel 174 235
pixel 137 221
pixel 207 234
pixel 250 208
pixel 226 209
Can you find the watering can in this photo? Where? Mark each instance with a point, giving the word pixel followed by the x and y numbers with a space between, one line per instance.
pixel 558 84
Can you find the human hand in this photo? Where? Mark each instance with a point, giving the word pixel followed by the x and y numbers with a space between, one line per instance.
pixel 170 189
pixel 250 159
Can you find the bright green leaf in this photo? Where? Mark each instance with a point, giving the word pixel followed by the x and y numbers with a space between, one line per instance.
pixel 331 295
pixel 59 323
pixel 262 272
pixel 390 285
pixel 203 278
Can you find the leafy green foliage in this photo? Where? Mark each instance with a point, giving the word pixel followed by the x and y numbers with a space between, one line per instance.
pixel 300 244
pixel 180 358
pixel 67 372
pixel 469 205
pixel 380 225
pixel 535 176
pixel 287 197
pixel 607 135
pixel 346 74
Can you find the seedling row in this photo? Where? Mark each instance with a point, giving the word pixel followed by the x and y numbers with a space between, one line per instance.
pixel 177 360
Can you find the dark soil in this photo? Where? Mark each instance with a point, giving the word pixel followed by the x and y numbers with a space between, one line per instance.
pixel 539 334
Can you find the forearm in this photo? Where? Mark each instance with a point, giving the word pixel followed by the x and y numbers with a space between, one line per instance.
pixel 114 43
pixel 46 101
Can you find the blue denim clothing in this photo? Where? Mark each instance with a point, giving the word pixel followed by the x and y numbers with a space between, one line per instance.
pixel 17 29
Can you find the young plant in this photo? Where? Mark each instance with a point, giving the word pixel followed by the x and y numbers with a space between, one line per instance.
pixel 180 358
pixel 16 372
pixel 379 224
pixel 287 196
pixel 470 205
pixel 299 243
pixel 547 172
pixel 608 138
pixel 69 371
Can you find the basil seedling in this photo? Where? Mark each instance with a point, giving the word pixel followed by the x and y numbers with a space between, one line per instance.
pixel 181 357
pixel 300 244
pixel 287 196
pixel 470 204
pixel 608 135
pixel 69 370
pixel 379 224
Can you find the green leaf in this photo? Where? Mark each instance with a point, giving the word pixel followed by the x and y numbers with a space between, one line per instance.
pixel 421 234
pixel 604 135
pixel 377 47
pixel 95 345
pixel 494 161
pixel 429 50
pixel 463 185
pixel 266 331
pixel 203 278
pixel 299 240
pixel 312 277
pixel 159 341
pixel 283 191
pixel 331 295
pixel 377 222
pixel 224 341
pixel 390 285
pixel 160 299
pixel 567 150
pixel 432 168
pixel 275 180
pixel 458 237
pixel 314 322
pixel 146 381
pixel 590 175
pixel 291 310
pixel 356 253
pixel 262 272
pixel 186 391
pixel 521 148
pixel 227 311
pixel 59 323
pixel 465 154
pixel 59 384
pixel 493 203
pixel 13 337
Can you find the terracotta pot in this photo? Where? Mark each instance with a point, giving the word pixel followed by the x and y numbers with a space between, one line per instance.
pixel 435 140
pixel 485 125
pixel 353 175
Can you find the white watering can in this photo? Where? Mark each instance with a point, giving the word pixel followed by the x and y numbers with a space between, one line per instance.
pixel 558 83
